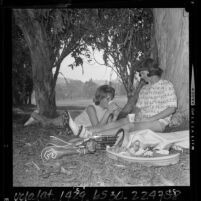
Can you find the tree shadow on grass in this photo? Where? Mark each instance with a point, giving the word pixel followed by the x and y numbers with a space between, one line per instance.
pixel 22 113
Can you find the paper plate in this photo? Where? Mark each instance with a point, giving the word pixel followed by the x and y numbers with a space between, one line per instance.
pixel 163 160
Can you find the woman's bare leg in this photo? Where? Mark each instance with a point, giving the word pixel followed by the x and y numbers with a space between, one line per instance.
pixel 155 126
pixel 111 128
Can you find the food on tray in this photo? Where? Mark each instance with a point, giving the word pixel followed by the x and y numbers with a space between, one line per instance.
pixel 148 152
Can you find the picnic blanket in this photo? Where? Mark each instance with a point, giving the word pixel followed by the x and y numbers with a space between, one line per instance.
pixel 147 142
pixel 160 140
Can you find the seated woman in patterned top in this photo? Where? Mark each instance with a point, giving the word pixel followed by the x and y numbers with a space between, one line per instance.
pixel 157 100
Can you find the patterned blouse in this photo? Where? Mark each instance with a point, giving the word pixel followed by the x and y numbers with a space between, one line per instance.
pixel 155 98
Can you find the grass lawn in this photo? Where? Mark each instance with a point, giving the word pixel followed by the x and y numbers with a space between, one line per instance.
pixel 82 170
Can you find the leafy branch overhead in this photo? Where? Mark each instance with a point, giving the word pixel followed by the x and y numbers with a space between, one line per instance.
pixel 123 35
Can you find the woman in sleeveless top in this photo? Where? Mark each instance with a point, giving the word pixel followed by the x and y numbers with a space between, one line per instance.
pixel 85 117
pixel 97 114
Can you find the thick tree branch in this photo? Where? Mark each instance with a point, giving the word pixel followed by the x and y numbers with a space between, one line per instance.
pixel 66 51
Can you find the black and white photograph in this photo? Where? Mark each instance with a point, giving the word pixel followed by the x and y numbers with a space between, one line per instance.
pixel 101 97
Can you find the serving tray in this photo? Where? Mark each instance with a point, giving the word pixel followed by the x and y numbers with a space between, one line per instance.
pixel 159 160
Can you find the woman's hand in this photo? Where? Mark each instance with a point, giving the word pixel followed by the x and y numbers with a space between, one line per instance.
pixel 116 113
pixel 113 106
pixel 138 115
pixel 165 113
pixel 114 109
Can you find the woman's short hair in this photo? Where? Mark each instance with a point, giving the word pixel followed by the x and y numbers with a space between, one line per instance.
pixel 152 67
pixel 146 65
pixel 102 92
pixel 155 70
pixel 149 63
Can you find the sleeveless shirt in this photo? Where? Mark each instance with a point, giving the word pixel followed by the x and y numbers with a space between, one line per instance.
pixel 83 118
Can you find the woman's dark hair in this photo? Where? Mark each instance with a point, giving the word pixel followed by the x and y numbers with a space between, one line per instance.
pixel 152 67
pixel 102 92
pixel 148 63
pixel 155 70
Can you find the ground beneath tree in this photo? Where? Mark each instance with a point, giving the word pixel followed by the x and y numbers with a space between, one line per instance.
pixel 83 170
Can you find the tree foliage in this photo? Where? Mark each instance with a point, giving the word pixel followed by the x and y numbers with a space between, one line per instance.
pixel 51 35
pixel 122 34
pixel 61 29
pixel 72 89
pixel 125 37
pixel 90 88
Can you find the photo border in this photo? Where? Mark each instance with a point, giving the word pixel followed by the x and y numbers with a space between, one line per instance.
pixel 187 192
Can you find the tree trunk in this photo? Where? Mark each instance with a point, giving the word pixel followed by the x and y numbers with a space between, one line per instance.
pixel 43 81
pixel 16 99
pixel 43 84
pixel 29 99
pixel 172 38
pixel 132 100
